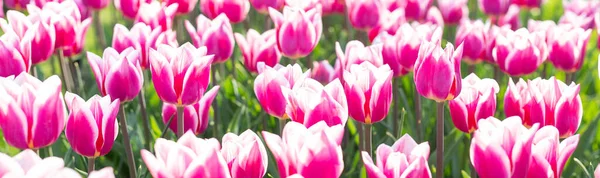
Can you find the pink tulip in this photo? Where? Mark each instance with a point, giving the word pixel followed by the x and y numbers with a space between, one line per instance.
pixel 17 4
pixel 322 71
pixel 417 9
pixel 548 155
pixel 356 53
pixel 269 83
pixel 96 4
pixel 67 22
pixel 544 26
pixel 305 5
pixel 184 6
pixel 333 6
pixel 114 69
pixel 580 13
pixel 528 3
pixel 92 128
pixel 262 6
pixel 364 14
pixel 520 101
pixel 434 16
pixel 520 52
pixel 437 71
pixel 42 37
pixel 511 19
pixel 29 164
pixel 235 10
pixel 297 31
pixel 83 9
pixel 567 47
pixel 405 158
pixel 142 38
pixel 180 75
pixel 80 34
pixel 453 11
pixel 130 8
pixel 578 20
pixel 390 23
pixel 216 35
pixel 476 101
pixel 15 54
pixel 369 90
pixel 32 112
pixel 309 152
pixel 309 102
pixel 188 157
pixel 157 15
pixel 502 148
pixel 472 35
pixel 245 155
pixel 106 172
pixel 490 36
pixel 195 117
pixel 494 7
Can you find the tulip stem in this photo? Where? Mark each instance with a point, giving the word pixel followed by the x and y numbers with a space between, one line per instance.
pixel 544 70
pixel 90 166
pixel 418 115
pixel 368 137
pixel 569 77
pixel 34 71
pixel 99 29
pixel 395 109
pixel 127 142
pixel 145 121
pixel 440 140
pixel 470 69
pixel 281 125
pixel 164 131
pixel 179 121
pixel 65 70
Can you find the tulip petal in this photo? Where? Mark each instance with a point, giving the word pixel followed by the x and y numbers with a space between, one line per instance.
pixel 372 170
pixel 48 113
pixel 155 166
pixel 489 160
pixel 204 107
pixel 162 77
pixel 276 146
pixel 196 80
pixel 208 164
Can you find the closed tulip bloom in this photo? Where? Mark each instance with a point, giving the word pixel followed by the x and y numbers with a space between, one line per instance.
pixel 245 155
pixel 96 4
pixel 130 8
pixel 184 6
pixel 563 107
pixel 549 154
pixel 578 20
pixel 66 19
pixel 567 47
pixel 297 31
pixel 476 101
pixel 494 7
pixel 80 33
pixel 502 148
pixel 92 128
pixel 32 112
pixel 43 37
pixel 364 14
pixel 356 53
pixel 405 158
pixel 28 164
pixel 141 37
pixel 157 15
pixel 511 19
pixel 417 9
pixel 437 71
pixel 309 102
pixel 195 117
pixel 107 172
pixel 520 52
pixel 262 6
pixel 15 54
pixel 309 152
pixel 472 35
pixel 322 71
pixel 188 157
pixel 528 3
pixel 180 75
pixel 369 90
pixel 521 100
pixel 269 83
pixel 453 10
pixel 235 10
pixel 216 35
pixel 112 70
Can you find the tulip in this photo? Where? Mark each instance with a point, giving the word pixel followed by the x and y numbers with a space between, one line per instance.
pixel 306 151
pixel 528 3
pixel 262 6
pixel 216 35
pixel 490 36
pixel 157 15
pixel 417 9
pixel 356 53
pixel 364 14
pixel 567 47
pixel 184 6
pixel 235 10
pixel 472 35
pixel 188 157
pixel 245 155
pixel 521 101
pixel 29 164
pixel 437 71
pixel 96 4
pixel 92 128
pixel 476 101
pixel 389 24
pixel 577 20
pixel 494 7
pixel 369 90
pixel 405 158
pixel 180 75
pixel 43 34
pixel 453 11
pixel 114 69
pixel 80 34
pixel 511 19
pixel 15 54
pixel 32 112
pixel 333 6
pixel 434 16
pixel 297 31
pixel 130 8
pixel 305 5
pixel 83 9
pixel 520 52
pixel 322 71
pixel 67 22
pixel 106 172
pixel 580 13
pixel 544 26
pixel 195 117
pixel 269 83
pixel 16 4
pixel 309 102
pixel 548 155
pixel 141 37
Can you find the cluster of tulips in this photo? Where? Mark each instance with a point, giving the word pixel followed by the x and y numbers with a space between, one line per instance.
pixel 401 38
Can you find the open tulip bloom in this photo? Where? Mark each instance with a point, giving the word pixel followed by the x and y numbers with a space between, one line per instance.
pixel 28 164
pixel 269 84
pixel 309 102
pixel 257 48
pixel 405 158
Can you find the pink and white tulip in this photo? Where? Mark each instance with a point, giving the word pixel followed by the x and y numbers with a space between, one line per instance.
pixel 472 35
pixel 235 10
pixel 567 47
pixel 29 164
pixel 405 158
pixel 114 69
pixel 309 102
pixel 477 100
pixel 15 54
pixel 297 31
pixel 269 84
pixel 520 52
pixel 549 154
pixel 453 11
pixel 400 51
pixel 245 155
pixel 365 14
pixel 257 48
pixel 262 6
pixel 437 71
pixel 322 71
pixel 195 117
pixel 494 7
pixel 157 15
pixel 369 92
pixel 356 53
pixel 130 8
pixel 43 38
pixel 183 6
pixel 216 35
pixel 142 38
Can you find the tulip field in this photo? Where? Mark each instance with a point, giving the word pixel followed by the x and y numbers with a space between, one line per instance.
pixel 299 88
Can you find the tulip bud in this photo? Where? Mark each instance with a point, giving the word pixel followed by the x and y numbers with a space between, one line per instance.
pixel 364 14
pixel 472 35
pixel 476 101
pixel 369 90
pixel 180 75
pixel 494 7
pixel 322 71
pixel 184 6
pixel 195 117
pixel 269 83
pixel 245 155
pixel 309 102
pixel 157 15
pixel 29 164
pixel 405 158
pixel 114 69
pixel 130 8
pixel 453 11
pixel 257 48
pixel 567 47
pixel 15 54
pixel 235 10
pixel 262 6
pixel 32 112
pixel 216 35
pixel 297 31
pixel 437 71
pixel 96 4
pixel 42 38
pixel 92 128
pixel 520 52
pixel 548 155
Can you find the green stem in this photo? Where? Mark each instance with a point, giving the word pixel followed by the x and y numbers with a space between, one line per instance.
pixel 66 71
pixel 282 123
pixel 180 121
pixel 127 142
pixel 99 29
pixel 90 166
pixel 164 131
pixel 418 114
pixel 440 140
pixel 368 137
pixel 395 107
pixel 145 119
